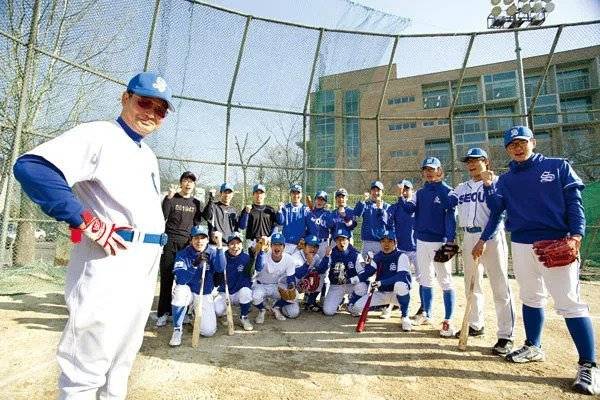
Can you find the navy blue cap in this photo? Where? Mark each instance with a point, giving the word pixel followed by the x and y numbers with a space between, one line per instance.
pixel 199 230
pixel 259 186
pixel 387 234
pixel 277 238
pixel 188 175
pixel 341 192
pixel 377 184
pixel 517 132
pixel 295 188
pixel 233 236
pixel 226 186
pixel 405 182
pixel 312 240
pixel 341 232
pixel 150 84
pixel 322 194
pixel 475 152
pixel 431 162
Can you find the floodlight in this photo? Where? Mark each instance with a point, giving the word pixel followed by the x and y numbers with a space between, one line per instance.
pixel 549 7
pixel 507 2
pixel 538 19
pixel 496 11
pixel 512 10
pixel 537 7
pixel 495 2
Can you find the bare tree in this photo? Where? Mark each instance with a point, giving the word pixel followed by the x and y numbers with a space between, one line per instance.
pixel 246 161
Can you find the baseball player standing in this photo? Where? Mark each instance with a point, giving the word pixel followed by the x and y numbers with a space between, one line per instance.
pixel 434 226
pixel 484 240
pixel 371 210
pixel 294 217
pixel 317 221
pixel 221 215
pixel 188 280
pixel 114 211
pixel 259 219
pixel 542 199
pixel 343 216
pixel 182 211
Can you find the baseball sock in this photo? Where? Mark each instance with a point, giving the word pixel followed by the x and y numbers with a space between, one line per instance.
pixel 582 332
pixel 449 300
pixel 427 300
pixel 260 306
pixel 403 301
pixel 533 319
pixel 178 315
pixel 244 309
pixel 312 298
pixel 421 295
pixel 280 303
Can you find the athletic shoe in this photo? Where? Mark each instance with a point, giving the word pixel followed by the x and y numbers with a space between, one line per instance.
pixel 447 329
pixel 527 353
pixel 260 318
pixel 587 380
pixel 176 338
pixel 278 315
pixel 386 313
pixel 406 324
pixel 502 347
pixel 246 323
pixel 162 320
pixel 421 319
pixel 473 332
pixel 419 312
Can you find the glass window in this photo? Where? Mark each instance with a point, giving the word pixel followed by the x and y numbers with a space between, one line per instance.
pixel 500 124
pixel 401 100
pixel 576 79
pixel 352 128
pixel 428 123
pixel 500 86
pixel 435 98
pixel 544 104
pixel 577 104
pixel 439 149
pixel 531 83
pixel 403 153
pixel 324 101
pixel 469 94
pixel 402 126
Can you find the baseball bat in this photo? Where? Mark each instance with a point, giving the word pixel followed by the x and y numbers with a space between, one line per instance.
pixel 362 321
pixel 198 309
pixel 230 329
pixel 464 329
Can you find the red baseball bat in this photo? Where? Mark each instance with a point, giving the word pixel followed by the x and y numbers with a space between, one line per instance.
pixel 362 321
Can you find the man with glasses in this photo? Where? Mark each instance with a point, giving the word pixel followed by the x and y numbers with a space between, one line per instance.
pixel 103 180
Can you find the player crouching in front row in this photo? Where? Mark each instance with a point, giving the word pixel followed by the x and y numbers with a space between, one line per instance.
pixel 344 263
pixel 239 271
pixel 275 268
pixel 308 279
pixel 194 268
pixel 392 280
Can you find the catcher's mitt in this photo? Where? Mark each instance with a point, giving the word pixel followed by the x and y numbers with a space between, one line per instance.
pixel 262 244
pixel 445 253
pixel 310 283
pixel 287 294
pixel 557 253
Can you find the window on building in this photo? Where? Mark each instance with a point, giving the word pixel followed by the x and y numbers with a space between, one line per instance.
pixel 352 128
pixel 403 153
pixel 324 101
pixel 499 124
pixel 531 83
pixel 469 94
pixel 428 123
pixel 577 104
pixel 402 126
pixel 500 86
pixel 576 79
pixel 578 145
pixel 436 98
pixel 468 132
pixel 439 149
pixel 544 104
pixel 443 121
pixel 401 100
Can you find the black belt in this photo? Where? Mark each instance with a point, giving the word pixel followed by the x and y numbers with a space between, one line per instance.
pixel 472 229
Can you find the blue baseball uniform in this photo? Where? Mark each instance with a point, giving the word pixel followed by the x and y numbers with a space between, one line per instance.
pixel 372 225
pixel 295 221
pixel 239 271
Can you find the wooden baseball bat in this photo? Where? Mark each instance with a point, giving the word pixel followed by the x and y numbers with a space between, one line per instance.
pixel 230 329
pixel 464 329
pixel 198 309
pixel 362 321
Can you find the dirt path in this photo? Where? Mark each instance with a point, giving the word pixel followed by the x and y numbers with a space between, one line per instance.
pixel 310 357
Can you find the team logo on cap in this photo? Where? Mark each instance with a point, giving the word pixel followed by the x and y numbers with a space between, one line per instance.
pixel 514 132
pixel 160 84
pixel 547 177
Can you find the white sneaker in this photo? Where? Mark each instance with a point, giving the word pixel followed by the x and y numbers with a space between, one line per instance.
pixel 587 380
pixel 260 318
pixel 421 319
pixel 525 354
pixel 386 313
pixel 176 338
pixel 447 329
pixel 162 320
pixel 278 315
pixel 406 324
pixel 246 323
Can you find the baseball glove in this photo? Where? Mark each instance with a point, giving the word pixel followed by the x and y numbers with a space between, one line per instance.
pixel 310 283
pixel 262 244
pixel 287 294
pixel 445 253
pixel 557 253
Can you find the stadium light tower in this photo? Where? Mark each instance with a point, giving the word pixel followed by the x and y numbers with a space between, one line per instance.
pixel 512 14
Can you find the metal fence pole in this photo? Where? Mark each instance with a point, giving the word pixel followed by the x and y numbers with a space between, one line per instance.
pixel 305 116
pixel 21 115
pixel 231 90
pixel 521 76
pixel 151 34
pixel 383 90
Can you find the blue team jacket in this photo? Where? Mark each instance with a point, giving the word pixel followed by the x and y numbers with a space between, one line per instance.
pixel 372 225
pixel 237 273
pixel 186 273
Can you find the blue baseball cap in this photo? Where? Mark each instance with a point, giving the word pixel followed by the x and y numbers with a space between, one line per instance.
pixel 475 152
pixel 431 162
pixel 377 184
pixel 277 238
pixel 295 188
pixel 405 182
pixel 150 84
pixel 517 132
pixel 387 234
pixel 341 192
pixel 259 186
pixel 226 186
pixel 312 240
pixel 341 232
pixel 322 194
pixel 233 236
pixel 199 230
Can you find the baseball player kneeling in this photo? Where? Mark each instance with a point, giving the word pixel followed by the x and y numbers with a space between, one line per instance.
pixel 275 279
pixel 309 281
pixel 188 267
pixel 239 271
pixel 392 280
pixel 542 199
pixel 345 263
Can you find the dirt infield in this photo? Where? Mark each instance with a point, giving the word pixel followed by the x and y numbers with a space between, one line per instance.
pixel 312 357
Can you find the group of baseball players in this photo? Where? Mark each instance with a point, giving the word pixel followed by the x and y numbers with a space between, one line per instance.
pixel 103 180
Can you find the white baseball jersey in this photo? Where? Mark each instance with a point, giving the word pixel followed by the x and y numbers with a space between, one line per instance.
pixel 472 208
pixel 273 272
pixel 301 259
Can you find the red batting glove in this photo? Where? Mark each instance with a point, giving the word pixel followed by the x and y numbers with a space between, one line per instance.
pixel 102 232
